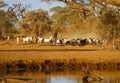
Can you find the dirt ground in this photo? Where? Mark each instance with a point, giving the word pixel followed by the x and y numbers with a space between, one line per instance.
pixel 52 58
pixel 10 51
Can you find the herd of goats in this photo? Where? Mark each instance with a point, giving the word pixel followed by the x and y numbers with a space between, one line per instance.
pixel 60 41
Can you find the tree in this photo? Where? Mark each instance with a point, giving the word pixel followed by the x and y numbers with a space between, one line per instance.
pixel 17 11
pixel 2 4
pixel 6 26
pixel 94 6
pixel 110 26
pixel 15 14
pixel 70 20
pixel 91 9
pixel 35 23
pixel 110 19
pixel 112 2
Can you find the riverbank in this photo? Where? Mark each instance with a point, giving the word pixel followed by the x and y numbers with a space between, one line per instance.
pixel 47 57
pixel 12 52
pixel 61 54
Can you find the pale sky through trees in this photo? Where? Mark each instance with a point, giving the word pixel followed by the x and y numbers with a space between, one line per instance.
pixel 35 4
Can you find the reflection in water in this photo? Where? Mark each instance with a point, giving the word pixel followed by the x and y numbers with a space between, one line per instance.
pixel 79 80
pixel 85 81
pixel 39 77
pixel 61 80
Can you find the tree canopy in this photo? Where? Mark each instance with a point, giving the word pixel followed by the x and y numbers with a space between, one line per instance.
pixel 87 14
pixel 36 23
pixel 6 25
pixel 95 7
pixel 112 2
pixel 88 17
pixel 78 18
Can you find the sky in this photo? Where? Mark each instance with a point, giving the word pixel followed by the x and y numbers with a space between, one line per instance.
pixel 35 4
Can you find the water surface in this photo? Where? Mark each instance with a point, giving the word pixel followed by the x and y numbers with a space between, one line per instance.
pixel 61 77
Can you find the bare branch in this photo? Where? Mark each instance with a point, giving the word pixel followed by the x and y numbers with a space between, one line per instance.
pixel 2 4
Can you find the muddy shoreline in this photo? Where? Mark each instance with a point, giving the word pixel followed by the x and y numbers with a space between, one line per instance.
pixel 57 58
pixel 50 66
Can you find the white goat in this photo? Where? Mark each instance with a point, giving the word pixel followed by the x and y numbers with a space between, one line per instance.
pixel 40 40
